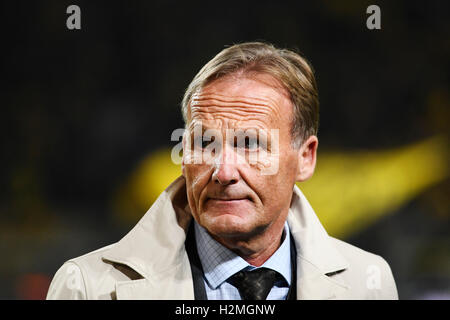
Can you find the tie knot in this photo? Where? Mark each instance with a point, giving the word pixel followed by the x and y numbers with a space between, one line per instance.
pixel 255 284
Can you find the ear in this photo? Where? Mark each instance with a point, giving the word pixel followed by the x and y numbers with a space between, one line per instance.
pixel 184 141
pixel 307 155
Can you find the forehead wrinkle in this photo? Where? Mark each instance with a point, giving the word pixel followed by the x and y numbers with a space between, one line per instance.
pixel 221 123
pixel 226 98
pixel 235 103
pixel 265 105
pixel 209 109
pixel 239 116
pixel 229 111
pixel 227 101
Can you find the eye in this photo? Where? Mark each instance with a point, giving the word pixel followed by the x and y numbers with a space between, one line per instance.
pixel 201 142
pixel 251 143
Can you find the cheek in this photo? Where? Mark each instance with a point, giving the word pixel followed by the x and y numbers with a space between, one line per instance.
pixel 276 187
pixel 197 177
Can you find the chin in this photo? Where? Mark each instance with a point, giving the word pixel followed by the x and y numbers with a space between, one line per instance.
pixel 228 225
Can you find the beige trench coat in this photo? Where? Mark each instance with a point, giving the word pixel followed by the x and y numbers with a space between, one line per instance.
pixel 151 262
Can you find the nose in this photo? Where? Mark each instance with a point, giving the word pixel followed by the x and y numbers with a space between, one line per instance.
pixel 226 170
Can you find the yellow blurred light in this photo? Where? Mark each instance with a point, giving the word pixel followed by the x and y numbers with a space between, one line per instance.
pixel 351 190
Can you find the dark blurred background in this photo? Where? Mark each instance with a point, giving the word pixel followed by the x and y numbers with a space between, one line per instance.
pixel 84 113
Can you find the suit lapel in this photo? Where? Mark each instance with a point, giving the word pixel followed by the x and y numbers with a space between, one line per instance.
pixel 196 265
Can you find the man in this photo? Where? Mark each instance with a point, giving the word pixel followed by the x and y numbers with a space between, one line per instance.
pixel 235 225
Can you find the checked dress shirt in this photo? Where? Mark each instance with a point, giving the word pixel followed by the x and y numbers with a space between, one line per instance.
pixel 219 264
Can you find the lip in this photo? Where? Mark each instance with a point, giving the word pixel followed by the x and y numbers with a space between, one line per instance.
pixel 227 201
pixel 227 206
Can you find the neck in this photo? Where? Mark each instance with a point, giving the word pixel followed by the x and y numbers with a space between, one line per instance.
pixel 256 250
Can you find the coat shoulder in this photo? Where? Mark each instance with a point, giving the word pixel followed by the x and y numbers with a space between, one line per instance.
pixel 88 277
pixel 351 252
pixel 368 275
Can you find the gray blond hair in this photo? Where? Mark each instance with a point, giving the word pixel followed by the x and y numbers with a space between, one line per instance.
pixel 288 67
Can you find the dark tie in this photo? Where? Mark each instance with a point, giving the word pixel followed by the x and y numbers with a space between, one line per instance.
pixel 254 285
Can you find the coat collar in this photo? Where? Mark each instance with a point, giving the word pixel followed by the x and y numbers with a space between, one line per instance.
pixel 154 248
pixel 317 258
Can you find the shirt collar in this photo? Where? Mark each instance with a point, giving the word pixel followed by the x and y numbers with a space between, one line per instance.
pixel 219 263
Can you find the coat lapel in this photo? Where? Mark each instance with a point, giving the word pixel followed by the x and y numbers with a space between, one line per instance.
pixel 154 248
pixel 316 255
pixel 174 285
pixel 313 284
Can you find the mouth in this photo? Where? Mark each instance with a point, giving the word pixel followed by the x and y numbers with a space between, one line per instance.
pixel 228 200
pixel 228 205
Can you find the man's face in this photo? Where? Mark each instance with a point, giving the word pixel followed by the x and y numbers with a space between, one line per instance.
pixel 229 194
